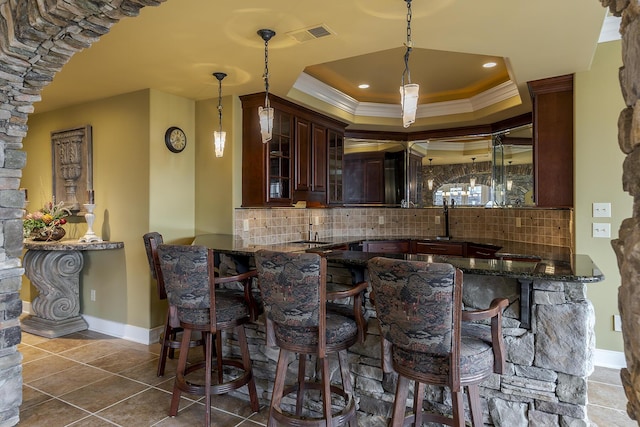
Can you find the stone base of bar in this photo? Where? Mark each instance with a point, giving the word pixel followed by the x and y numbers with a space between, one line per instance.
pixel 53 328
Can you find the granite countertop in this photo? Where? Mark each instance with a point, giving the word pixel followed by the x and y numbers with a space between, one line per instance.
pixel 71 245
pixel 546 262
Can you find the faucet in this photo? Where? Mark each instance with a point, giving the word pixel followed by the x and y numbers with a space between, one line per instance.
pixel 445 211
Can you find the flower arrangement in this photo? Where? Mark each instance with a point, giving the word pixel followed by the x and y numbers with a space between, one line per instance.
pixel 45 223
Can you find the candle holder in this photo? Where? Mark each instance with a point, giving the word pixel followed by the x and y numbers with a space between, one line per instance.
pixel 90 235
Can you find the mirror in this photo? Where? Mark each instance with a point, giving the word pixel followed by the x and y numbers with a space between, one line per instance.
pixel 472 170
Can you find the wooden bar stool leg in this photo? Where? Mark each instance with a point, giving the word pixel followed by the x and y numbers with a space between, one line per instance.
pixel 326 391
pixel 278 386
pixel 400 402
pixel 458 408
pixel 182 364
pixel 346 380
pixel 302 365
pixel 418 397
pixel 207 379
pixel 246 363
pixel 474 405
pixel 218 356
pixel 166 336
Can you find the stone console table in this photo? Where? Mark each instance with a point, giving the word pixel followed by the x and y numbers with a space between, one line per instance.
pixel 54 269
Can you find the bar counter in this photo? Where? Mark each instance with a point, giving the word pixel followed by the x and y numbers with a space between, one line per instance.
pixel 548 327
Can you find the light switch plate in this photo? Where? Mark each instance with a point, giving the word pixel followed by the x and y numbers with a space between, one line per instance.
pixel 381 220
pixel 602 210
pixel 245 225
pixel 601 229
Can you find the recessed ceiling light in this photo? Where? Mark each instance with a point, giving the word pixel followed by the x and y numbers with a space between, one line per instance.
pixel 489 64
pixel 363 86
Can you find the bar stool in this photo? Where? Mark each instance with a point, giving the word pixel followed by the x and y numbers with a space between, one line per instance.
pixel 169 337
pixel 293 288
pixel 419 309
pixel 188 273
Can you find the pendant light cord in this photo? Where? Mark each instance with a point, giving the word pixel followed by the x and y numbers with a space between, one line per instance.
pixel 409 45
pixel 220 103
pixel 266 73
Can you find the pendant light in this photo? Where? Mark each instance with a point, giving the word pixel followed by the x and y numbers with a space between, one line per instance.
pixel 408 90
pixel 266 113
pixel 472 180
pixel 219 136
pixel 430 180
pixel 509 180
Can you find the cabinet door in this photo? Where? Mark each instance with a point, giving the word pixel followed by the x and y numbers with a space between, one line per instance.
pixel 303 155
pixel 279 168
pixel 335 167
pixel 364 178
pixel 319 159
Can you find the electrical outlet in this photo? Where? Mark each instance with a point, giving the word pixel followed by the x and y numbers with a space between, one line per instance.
pixel 93 294
pixel 601 229
pixel 518 222
pixel 316 220
pixel 381 220
pixel 617 323
pixel 437 219
pixel 602 210
pixel 245 225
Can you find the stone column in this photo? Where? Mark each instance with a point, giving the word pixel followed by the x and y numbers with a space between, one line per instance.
pixel 627 245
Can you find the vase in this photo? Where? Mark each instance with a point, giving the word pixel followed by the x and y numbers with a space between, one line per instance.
pixel 48 234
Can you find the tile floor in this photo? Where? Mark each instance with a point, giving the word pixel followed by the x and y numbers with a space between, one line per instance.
pixel 89 379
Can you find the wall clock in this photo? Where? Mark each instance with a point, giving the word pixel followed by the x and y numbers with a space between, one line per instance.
pixel 175 139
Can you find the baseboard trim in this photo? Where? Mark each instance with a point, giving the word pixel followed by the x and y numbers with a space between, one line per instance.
pixel 609 359
pixel 114 329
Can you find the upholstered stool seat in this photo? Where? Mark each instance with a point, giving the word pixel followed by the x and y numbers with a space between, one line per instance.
pixel 294 294
pixel 192 287
pixel 419 309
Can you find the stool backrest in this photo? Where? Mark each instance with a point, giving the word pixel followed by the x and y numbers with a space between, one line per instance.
pixel 188 274
pixel 418 304
pixel 151 242
pixel 292 287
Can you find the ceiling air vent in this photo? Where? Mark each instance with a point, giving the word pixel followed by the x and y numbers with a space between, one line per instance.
pixel 310 33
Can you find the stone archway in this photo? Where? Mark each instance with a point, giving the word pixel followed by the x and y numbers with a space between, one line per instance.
pixel 627 246
pixel 36 39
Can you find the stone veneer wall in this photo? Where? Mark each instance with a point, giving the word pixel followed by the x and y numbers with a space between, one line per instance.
pixel 552 227
pixel 36 39
pixel 626 246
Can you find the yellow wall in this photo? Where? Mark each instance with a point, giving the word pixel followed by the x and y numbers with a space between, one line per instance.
pixel 214 175
pixel 598 178
pixel 139 186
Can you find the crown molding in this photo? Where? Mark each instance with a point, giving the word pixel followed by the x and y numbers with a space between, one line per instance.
pixel 323 92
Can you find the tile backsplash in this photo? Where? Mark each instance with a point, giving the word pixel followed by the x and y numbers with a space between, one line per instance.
pixel 263 226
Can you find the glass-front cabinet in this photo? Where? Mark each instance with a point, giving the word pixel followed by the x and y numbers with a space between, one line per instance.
pixel 301 163
pixel 280 159
pixel 336 153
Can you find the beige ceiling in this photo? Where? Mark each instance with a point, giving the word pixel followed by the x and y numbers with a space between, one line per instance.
pixel 177 46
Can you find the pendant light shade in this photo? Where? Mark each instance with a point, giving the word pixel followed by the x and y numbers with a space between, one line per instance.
pixel 472 180
pixel 409 92
pixel 509 180
pixel 409 99
pixel 219 136
pixel 430 180
pixel 266 113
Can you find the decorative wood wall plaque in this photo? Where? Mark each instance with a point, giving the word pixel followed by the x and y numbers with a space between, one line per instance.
pixel 72 165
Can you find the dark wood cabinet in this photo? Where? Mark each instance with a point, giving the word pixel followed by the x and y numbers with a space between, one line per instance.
pixel 294 165
pixel 437 248
pixel 553 141
pixel 335 167
pixel 386 246
pixel 364 178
